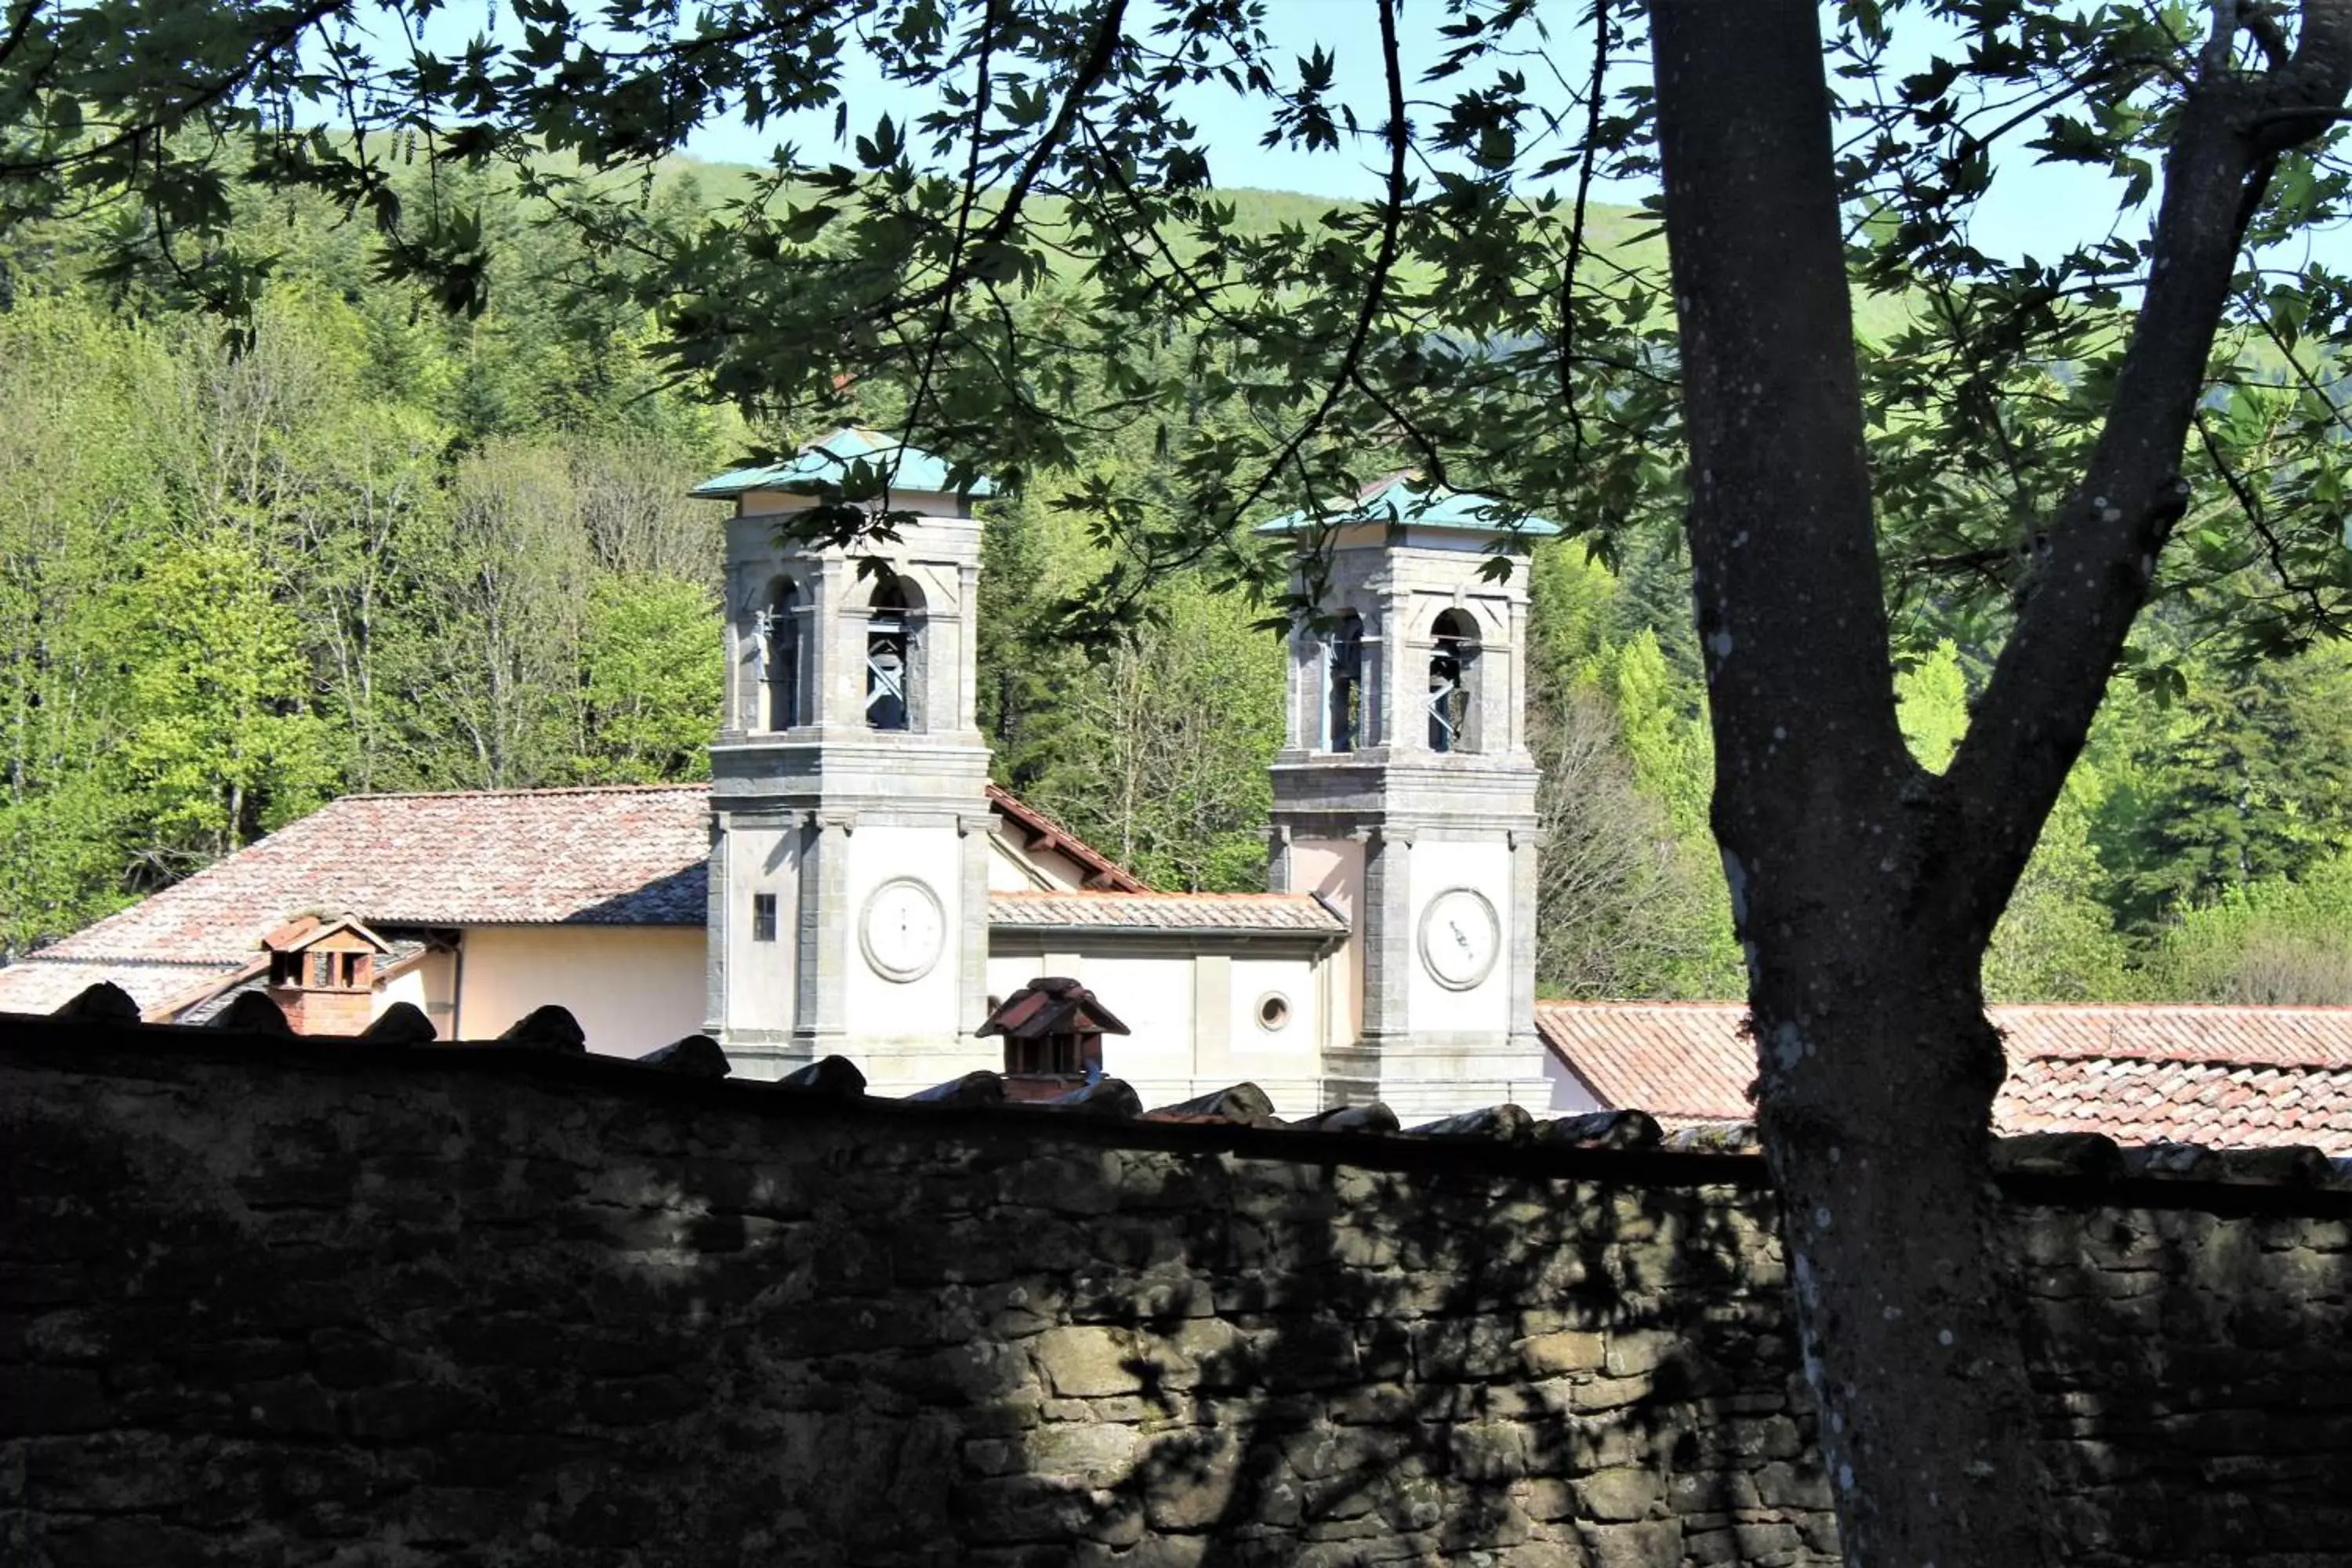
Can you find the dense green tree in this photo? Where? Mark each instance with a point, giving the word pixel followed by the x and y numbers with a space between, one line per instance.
pixel 2247 777
pixel 1629 903
pixel 1161 750
pixel 233 584
pixel 224 746
pixel 651 674
pixel 2276 941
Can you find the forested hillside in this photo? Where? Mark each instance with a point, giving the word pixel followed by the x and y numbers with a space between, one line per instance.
pixel 381 547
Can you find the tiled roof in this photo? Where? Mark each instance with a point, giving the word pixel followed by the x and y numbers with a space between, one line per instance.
pixel 1045 832
pixel 43 984
pixel 1281 912
pixel 1677 1060
pixel 827 462
pixel 2213 1103
pixel 2246 1076
pixel 560 857
pixel 1403 498
pixel 623 855
pixel 2286 1036
pixel 553 857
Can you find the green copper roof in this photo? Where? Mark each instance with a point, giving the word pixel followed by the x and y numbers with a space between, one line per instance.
pixel 828 462
pixel 1399 499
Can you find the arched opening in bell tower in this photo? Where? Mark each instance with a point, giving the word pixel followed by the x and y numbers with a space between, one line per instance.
pixel 778 629
pixel 1452 683
pixel 892 650
pixel 1343 681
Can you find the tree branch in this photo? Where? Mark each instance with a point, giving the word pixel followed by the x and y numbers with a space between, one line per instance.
pixel 19 29
pixel 1592 152
pixel 2101 568
pixel 1375 288
pixel 1785 568
pixel 2251 505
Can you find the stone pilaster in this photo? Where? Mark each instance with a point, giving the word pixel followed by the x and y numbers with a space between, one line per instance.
pixel 716 930
pixel 971 948
pixel 1526 852
pixel 818 994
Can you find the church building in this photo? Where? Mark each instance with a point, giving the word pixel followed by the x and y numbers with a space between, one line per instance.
pixel 851 883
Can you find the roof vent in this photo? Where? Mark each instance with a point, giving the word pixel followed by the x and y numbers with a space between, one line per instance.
pixel 1052 1029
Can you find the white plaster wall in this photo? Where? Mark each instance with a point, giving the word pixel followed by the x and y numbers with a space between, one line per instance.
pixel 1333 868
pixel 1569 1097
pixel 1012 868
pixel 1008 869
pixel 1287 1062
pixel 632 988
pixel 1437 866
pixel 922 1011
pixel 1175 1053
pixel 760 973
pixel 1152 996
pixel 427 986
pixel 1008 972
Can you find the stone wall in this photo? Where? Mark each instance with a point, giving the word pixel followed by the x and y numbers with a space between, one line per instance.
pixel 286 1302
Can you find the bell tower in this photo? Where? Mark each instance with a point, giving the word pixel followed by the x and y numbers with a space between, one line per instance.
pixel 850 814
pixel 1405 795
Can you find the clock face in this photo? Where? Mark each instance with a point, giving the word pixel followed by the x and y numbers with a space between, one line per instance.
pixel 903 928
pixel 1459 938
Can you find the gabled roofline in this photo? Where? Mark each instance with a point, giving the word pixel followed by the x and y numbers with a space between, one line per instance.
pixel 820 463
pixel 1045 832
pixel 1403 499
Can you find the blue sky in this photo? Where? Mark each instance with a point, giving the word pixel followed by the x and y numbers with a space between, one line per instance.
pixel 2034 208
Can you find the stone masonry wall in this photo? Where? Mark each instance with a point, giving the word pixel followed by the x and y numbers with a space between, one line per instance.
pixel 282 1303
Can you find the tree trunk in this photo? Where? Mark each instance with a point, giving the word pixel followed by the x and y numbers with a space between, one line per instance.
pixel 1875 1116
pixel 1864 890
pixel 1877 1065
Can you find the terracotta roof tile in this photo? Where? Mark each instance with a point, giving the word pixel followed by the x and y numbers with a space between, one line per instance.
pixel 2241 1076
pixel 614 856
pixel 1299 912
pixel 2144 1101
pixel 2298 1037
pixel 43 986
pixel 1677 1060
pixel 596 857
pixel 1046 831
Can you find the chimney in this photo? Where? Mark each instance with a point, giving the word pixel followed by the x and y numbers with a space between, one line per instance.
pixel 322 974
pixel 1052 1030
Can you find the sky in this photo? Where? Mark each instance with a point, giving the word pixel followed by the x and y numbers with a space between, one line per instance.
pixel 2034 208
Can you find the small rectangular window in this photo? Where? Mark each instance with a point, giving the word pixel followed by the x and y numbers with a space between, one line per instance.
pixel 764 917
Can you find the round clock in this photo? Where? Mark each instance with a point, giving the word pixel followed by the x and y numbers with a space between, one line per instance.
pixel 1459 938
pixel 902 929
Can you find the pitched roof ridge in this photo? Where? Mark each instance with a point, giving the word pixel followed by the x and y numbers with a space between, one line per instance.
pixel 1134 893
pixel 532 792
pixel 1038 819
pixel 1694 1004
pixel 51 954
pixel 2248 1009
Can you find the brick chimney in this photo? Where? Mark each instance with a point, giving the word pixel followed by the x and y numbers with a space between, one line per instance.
pixel 1052 1030
pixel 322 974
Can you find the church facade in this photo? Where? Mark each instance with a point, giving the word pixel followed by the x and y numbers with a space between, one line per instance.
pixel 859 888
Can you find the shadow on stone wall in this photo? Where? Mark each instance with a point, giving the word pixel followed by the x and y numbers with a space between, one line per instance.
pixel 399 1309
pixel 2195 1373
pixel 1407 1367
